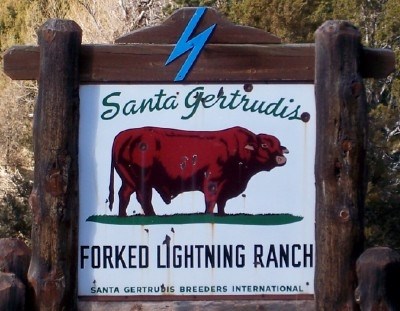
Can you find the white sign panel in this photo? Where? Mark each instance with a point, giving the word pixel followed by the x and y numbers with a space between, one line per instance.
pixel 204 190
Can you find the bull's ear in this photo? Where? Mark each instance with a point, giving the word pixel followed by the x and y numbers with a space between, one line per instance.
pixel 249 147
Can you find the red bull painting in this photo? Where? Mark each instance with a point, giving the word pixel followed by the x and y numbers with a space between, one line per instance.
pixel 197 190
pixel 217 163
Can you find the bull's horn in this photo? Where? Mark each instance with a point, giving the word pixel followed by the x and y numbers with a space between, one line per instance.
pixel 249 147
pixel 285 150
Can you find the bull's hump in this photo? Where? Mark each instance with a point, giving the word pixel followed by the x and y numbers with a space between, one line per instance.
pixel 186 133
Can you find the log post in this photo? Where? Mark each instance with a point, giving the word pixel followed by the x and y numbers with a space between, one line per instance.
pixel 12 292
pixel 340 164
pixel 15 256
pixel 54 199
pixel 378 272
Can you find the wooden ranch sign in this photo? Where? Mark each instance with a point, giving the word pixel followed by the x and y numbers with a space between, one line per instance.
pixel 174 154
pixel 214 163
pixel 190 189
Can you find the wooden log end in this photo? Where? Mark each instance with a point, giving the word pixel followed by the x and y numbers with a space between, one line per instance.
pixel 374 63
pixel 56 27
pixel 22 62
pixel 61 25
pixel 333 27
pixel 377 63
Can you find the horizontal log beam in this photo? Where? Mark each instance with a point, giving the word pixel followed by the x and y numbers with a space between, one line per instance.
pixel 218 62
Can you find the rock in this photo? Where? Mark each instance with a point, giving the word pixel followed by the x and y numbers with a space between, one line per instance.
pixel 12 292
pixel 378 272
pixel 15 257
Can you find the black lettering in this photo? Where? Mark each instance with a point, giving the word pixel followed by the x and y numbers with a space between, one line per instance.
pixel 189 256
pixel 159 265
pixel 199 247
pixel 118 256
pixel 83 256
pixel 143 256
pixel 283 255
pixel 131 256
pixel 107 256
pixel 308 255
pixel 294 263
pixel 96 257
pixel 272 256
pixel 240 257
pixel 210 257
pixel 258 253
pixel 176 258
pixel 167 257
pixel 228 256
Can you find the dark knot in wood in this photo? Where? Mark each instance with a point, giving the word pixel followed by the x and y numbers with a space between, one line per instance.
pixel 49 35
pixel 337 168
pixel 347 145
pixel 55 184
pixel 356 88
pixel 57 178
pixel 344 214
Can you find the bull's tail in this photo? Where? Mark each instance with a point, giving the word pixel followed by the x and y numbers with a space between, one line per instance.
pixel 111 186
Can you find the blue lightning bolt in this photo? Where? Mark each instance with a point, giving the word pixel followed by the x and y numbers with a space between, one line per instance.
pixel 195 44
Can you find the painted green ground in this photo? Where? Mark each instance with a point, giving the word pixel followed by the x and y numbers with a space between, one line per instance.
pixel 179 219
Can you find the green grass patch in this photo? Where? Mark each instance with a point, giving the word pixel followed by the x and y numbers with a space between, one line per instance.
pixel 181 219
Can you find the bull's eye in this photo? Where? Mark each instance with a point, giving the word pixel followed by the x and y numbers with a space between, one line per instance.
pixel 265 146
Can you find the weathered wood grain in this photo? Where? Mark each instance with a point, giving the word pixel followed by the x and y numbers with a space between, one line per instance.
pixel 54 199
pixel 339 165
pixel 146 63
pixel 138 63
pixel 378 273
pixel 12 292
pixel 336 64
pixel 225 31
